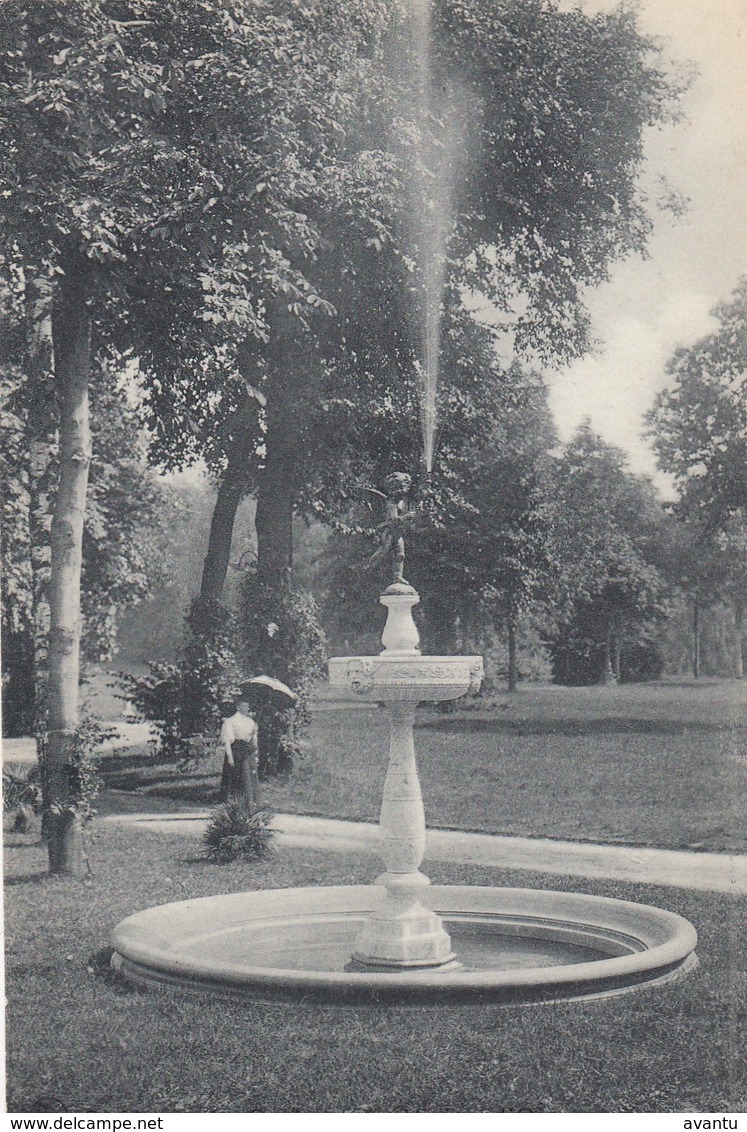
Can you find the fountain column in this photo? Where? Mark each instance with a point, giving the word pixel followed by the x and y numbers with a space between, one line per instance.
pixel 402 932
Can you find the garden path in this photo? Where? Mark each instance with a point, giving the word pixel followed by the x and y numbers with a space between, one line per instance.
pixel 707 872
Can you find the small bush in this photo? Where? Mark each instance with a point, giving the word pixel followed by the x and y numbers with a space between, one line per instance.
pixel 235 833
pixel 22 795
pixel 157 698
pixel 182 700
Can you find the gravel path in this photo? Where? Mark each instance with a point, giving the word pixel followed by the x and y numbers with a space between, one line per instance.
pixel 707 872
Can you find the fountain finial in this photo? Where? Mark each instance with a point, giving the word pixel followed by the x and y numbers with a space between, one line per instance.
pixel 397 487
pixel 400 632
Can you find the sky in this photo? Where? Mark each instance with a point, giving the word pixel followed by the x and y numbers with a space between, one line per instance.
pixel 651 306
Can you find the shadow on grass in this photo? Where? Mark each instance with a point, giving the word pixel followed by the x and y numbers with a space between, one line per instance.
pixel 204 789
pixel 99 964
pixel 130 759
pixel 573 728
pixel 49 1102
pixel 29 878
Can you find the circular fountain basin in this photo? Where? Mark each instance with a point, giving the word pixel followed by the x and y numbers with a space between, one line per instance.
pixel 513 945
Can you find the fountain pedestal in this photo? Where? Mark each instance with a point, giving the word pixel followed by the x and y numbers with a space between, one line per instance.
pixel 402 932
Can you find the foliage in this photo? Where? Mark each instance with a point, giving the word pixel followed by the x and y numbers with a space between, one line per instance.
pixel 230 182
pixel 556 101
pixel 280 636
pixel 22 794
pixel 699 429
pixel 608 535
pixel 491 555
pixel 579 651
pixel 209 668
pixel 719 638
pixel 157 697
pixel 83 778
pixel 156 628
pixel 125 522
pixel 275 262
pixel 699 422
pixel 15 578
pixel 477 539
pixel 129 512
pixel 234 833
pixel 183 700
pixel 489 641
pixel 18 716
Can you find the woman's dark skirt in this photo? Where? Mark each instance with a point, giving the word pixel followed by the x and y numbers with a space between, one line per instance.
pixel 239 782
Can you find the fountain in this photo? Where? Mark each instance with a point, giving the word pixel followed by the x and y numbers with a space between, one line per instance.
pixel 402 938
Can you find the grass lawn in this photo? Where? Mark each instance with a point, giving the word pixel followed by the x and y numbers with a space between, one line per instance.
pixel 80 1042
pixel 651 764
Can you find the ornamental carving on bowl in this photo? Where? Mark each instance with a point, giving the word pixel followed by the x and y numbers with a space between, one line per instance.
pixel 360 675
pixel 476 673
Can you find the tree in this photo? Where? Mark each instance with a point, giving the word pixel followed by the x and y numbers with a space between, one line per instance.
pixel 699 428
pixel 699 422
pixel 335 217
pixel 548 199
pixel 610 590
pixel 487 561
pixel 477 539
pixel 92 182
pixel 191 174
pixel 710 570
pixel 123 531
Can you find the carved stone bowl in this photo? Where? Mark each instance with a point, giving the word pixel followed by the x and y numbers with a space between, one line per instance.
pixel 406 678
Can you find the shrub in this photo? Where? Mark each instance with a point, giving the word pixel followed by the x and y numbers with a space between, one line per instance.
pixel 157 697
pixel 281 637
pixel 22 795
pixel 234 833
pixel 81 770
pixel 182 700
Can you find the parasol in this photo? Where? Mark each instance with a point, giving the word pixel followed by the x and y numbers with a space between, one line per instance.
pixel 271 684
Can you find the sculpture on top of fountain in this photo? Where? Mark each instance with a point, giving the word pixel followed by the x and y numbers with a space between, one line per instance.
pixel 400 634
pixel 397 490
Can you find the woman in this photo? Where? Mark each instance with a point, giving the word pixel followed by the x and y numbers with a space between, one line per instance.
pixel 238 735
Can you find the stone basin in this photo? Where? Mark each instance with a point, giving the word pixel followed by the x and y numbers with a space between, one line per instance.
pixel 406 678
pixel 515 945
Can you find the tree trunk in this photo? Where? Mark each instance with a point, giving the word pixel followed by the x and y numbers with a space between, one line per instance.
pixel 696 637
pixel 42 441
pixel 607 673
pixel 512 668
pixel 233 488
pixel 566 661
pixel 739 627
pixel 290 393
pixel 615 658
pixel 277 493
pixel 274 527
pixel 215 568
pixel 71 328
pixel 275 505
